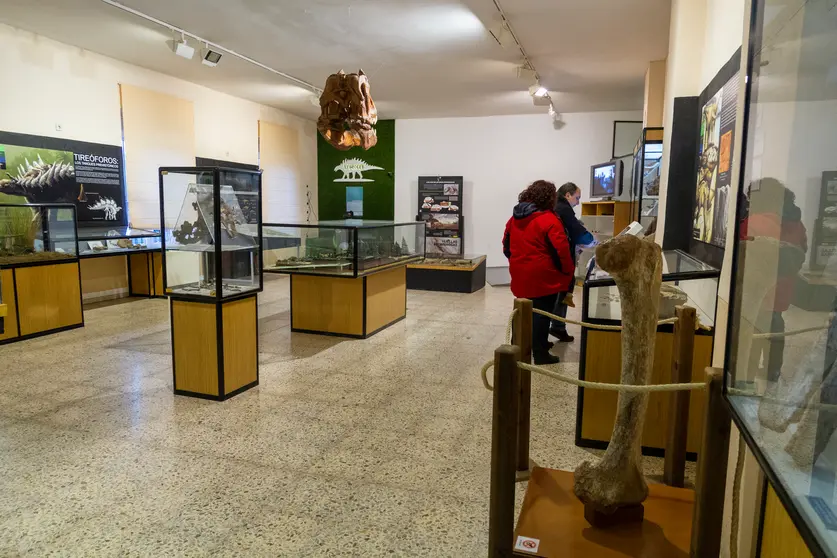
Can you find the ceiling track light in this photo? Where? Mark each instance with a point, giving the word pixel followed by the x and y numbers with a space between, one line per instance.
pixel 181 47
pixel 215 47
pixel 209 57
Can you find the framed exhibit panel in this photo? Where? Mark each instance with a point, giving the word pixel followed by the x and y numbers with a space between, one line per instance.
pixel 781 362
pixel 212 275
pixel 686 281
pixel 39 269
pixel 348 278
pixel 440 201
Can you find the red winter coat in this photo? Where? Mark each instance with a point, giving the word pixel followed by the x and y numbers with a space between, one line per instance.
pixel 536 245
pixel 788 229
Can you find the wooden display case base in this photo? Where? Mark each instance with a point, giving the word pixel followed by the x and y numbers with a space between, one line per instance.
pixel 601 353
pixel 446 278
pixel 348 307
pixel 41 300
pixel 215 347
pixel 108 276
pixel 554 517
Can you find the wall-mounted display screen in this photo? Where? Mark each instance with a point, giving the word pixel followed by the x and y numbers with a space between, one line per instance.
pixel 605 179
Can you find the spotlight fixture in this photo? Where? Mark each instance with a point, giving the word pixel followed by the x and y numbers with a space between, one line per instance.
pixel 181 47
pixel 501 33
pixel 526 73
pixel 538 90
pixel 210 57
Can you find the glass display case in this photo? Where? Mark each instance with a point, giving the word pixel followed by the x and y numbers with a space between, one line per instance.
pixel 110 241
pixel 781 362
pixel 350 248
pixel 645 177
pixel 686 281
pixel 213 240
pixel 33 234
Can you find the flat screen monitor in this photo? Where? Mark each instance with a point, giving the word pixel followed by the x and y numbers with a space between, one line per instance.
pixel 606 180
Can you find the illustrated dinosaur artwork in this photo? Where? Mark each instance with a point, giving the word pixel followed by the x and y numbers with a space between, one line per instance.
pixel 353 170
pixel 41 182
pixel 108 205
pixel 347 112
pixel 616 481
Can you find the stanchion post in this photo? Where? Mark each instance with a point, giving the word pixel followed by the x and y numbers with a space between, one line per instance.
pixel 503 452
pixel 710 482
pixel 523 339
pixel 674 471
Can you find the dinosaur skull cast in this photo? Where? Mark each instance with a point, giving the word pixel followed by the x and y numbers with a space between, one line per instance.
pixel 348 114
pixel 616 480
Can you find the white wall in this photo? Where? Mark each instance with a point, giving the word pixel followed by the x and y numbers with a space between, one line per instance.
pixel 498 157
pixel 58 84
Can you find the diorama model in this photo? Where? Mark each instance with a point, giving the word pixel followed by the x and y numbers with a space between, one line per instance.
pixel 370 252
pixel 22 238
pixel 616 482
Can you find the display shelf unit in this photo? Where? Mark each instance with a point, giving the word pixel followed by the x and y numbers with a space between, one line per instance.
pixel 348 278
pixel 453 274
pixel 646 175
pixel 607 218
pixel 686 281
pixel 211 268
pixel 39 270
pixel 117 258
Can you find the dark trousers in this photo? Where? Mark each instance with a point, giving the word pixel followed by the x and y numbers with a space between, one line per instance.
pixel 540 324
pixel 772 351
pixel 560 310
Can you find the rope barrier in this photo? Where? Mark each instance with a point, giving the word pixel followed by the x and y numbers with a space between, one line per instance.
pixel 510 326
pixel 788 333
pixel 593 385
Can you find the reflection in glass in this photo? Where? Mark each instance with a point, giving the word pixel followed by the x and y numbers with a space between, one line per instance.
pixel 782 380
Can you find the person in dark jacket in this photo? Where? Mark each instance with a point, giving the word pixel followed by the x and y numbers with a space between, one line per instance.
pixel 569 196
pixel 540 261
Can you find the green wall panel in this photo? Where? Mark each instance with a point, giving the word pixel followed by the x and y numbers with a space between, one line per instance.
pixel 378 185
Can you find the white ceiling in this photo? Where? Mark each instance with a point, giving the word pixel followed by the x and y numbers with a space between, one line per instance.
pixel 425 58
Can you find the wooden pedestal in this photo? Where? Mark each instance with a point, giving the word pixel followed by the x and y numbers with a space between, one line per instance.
pixel 215 348
pixel 446 278
pixel 601 355
pixel 145 274
pixel 348 307
pixel 41 299
pixel 554 517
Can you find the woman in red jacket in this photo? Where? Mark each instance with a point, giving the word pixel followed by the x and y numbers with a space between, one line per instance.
pixel 540 262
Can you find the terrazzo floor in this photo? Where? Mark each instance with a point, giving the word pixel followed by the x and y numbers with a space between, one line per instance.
pixel 346 448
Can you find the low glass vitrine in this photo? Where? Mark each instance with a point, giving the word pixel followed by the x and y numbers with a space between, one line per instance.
pixel 686 281
pixel 32 234
pixel 213 240
pixel 111 241
pixel 350 248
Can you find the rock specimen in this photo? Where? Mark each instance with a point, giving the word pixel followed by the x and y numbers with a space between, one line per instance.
pixel 616 481
pixel 348 114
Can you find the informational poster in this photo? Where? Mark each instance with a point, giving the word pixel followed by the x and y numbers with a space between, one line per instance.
pixel 35 169
pixel 440 207
pixel 825 232
pixel 354 201
pixel 714 179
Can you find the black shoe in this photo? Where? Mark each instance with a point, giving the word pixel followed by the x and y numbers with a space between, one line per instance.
pixel 564 337
pixel 550 344
pixel 546 358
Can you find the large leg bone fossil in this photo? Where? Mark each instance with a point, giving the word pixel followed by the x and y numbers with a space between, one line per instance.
pixel 616 481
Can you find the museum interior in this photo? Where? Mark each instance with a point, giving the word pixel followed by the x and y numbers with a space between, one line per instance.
pixel 421 278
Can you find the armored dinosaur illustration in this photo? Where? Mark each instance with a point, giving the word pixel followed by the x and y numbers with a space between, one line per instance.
pixel 107 205
pixel 41 182
pixel 353 169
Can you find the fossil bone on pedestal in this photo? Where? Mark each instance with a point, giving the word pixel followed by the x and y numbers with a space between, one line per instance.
pixel 616 481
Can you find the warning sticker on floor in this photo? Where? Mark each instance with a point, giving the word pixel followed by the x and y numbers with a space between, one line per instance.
pixel 525 544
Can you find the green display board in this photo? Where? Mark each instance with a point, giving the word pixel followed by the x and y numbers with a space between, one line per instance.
pixel 373 170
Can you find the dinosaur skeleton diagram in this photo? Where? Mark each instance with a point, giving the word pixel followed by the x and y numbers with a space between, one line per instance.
pixel 348 113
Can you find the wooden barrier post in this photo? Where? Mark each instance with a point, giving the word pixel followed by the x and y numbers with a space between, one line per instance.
pixel 523 339
pixel 674 472
pixel 710 482
pixel 503 452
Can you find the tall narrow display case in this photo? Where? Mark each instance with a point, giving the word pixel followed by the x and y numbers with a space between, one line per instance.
pixel 646 175
pixel 39 270
pixel 212 275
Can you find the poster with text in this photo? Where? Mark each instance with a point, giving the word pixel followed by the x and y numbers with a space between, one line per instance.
pixel 35 169
pixel 440 207
pixel 714 179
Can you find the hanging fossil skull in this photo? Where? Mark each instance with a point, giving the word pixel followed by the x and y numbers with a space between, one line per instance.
pixel 348 114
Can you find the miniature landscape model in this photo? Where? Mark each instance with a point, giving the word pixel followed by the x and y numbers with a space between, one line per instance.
pixel 371 253
pixel 20 228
